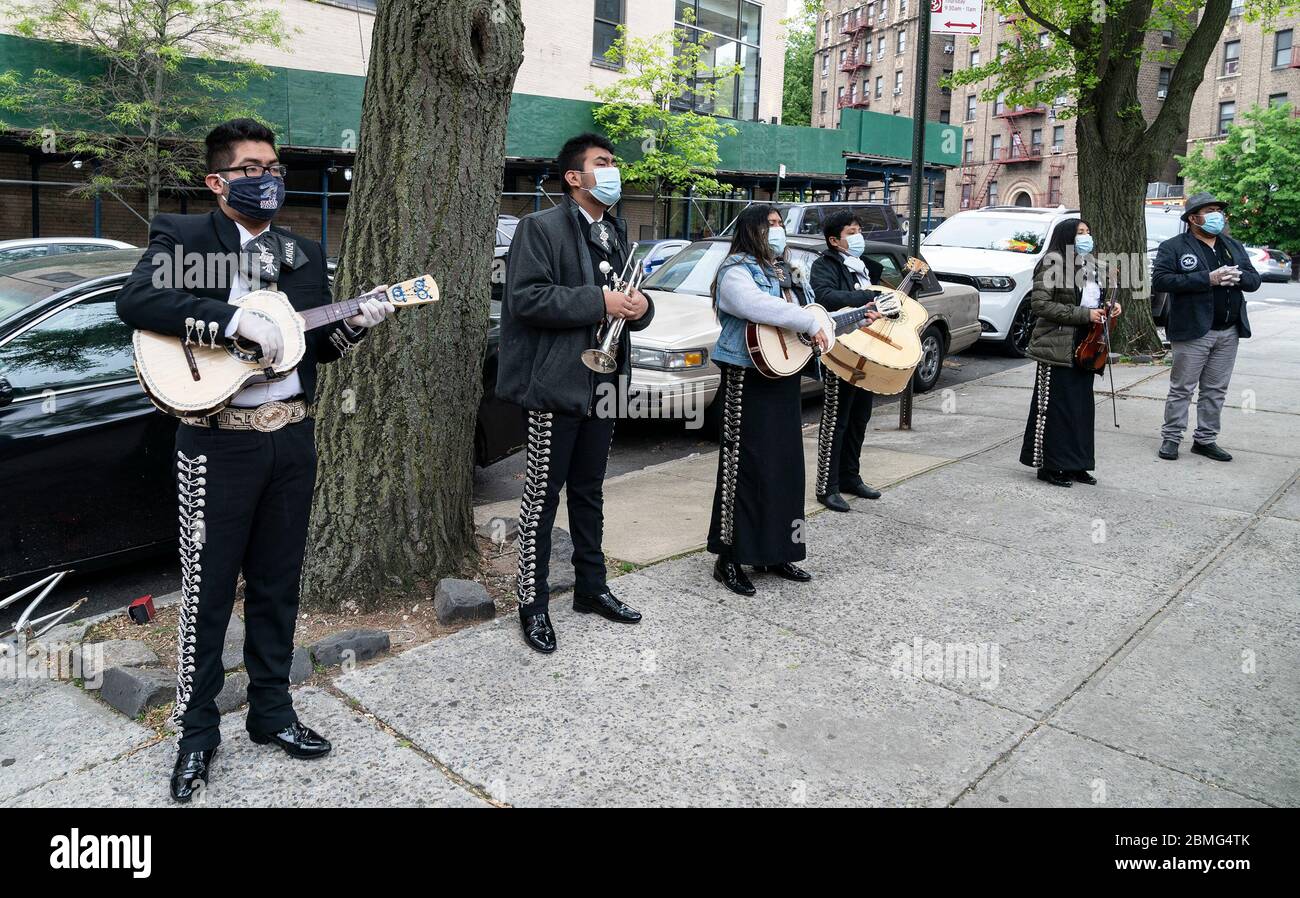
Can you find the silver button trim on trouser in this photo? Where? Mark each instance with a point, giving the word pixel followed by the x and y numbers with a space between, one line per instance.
pixel 536 479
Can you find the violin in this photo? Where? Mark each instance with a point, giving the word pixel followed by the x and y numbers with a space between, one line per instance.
pixel 1093 354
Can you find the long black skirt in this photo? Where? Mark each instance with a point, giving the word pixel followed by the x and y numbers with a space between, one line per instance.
pixel 758 504
pixel 1059 434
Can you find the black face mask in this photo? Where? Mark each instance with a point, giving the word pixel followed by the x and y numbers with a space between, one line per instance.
pixel 257 198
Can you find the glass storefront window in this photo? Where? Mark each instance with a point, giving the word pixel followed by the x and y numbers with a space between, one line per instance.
pixel 730 30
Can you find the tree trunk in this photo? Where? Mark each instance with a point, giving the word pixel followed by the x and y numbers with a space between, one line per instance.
pixel 396 419
pixel 1112 192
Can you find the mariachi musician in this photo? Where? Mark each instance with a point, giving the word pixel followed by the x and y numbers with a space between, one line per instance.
pixel 839 278
pixel 560 288
pixel 245 475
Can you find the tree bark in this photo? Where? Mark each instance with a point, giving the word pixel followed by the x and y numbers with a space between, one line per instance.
pixel 1119 152
pixel 396 418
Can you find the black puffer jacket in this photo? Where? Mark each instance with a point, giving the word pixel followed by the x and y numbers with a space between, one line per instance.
pixel 1060 317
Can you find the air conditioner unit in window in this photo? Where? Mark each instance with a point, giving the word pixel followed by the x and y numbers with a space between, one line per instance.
pixel 1056 149
pixel 1162 93
pixel 948 48
pixel 897 91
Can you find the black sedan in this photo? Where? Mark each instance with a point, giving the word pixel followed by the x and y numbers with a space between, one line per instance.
pixel 85 458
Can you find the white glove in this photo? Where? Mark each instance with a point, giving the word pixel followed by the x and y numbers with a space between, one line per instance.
pixel 373 310
pixel 888 305
pixel 264 333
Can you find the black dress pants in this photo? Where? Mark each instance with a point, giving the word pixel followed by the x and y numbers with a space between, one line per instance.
pixel 846 411
pixel 564 452
pixel 244 499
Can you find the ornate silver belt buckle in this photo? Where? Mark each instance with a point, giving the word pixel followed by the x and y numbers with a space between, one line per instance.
pixel 271 416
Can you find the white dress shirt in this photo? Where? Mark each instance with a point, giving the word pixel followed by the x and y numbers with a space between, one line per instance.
pixel 259 390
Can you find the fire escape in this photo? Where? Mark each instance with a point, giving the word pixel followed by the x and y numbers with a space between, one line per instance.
pixel 1017 153
pixel 856 26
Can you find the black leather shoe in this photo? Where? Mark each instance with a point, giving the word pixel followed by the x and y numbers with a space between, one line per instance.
pixel 297 741
pixel 834 501
pixel 866 492
pixel 1211 451
pixel 786 571
pixel 732 576
pixel 538 631
pixel 607 606
pixel 1084 477
pixel 190 774
pixel 1056 478
pixel 1168 450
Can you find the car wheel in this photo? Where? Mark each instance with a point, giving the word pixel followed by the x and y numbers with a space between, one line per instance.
pixel 1022 328
pixel 931 364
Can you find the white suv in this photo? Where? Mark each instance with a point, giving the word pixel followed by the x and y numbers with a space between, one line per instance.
pixel 998 246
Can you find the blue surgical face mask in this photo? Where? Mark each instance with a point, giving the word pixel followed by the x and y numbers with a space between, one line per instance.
pixel 609 186
pixel 1083 244
pixel 258 198
pixel 776 239
pixel 1214 222
pixel 857 245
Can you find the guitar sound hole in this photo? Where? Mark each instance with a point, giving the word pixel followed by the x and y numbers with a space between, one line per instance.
pixel 244 350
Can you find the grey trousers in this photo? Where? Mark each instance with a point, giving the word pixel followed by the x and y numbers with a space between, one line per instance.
pixel 1205 363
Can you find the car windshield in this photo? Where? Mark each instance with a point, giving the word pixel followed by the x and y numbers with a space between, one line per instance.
pixel 17 294
pixel 642 250
pixel 691 270
pixel 1006 233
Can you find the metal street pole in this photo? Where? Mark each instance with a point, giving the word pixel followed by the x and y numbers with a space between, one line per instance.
pixel 921 85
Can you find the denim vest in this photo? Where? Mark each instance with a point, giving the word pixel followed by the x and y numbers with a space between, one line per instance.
pixel 731 347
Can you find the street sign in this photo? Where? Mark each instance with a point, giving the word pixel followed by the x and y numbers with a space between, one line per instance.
pixel 956 16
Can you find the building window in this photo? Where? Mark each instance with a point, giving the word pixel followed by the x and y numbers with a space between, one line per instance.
pixel 974 58
pixel 968 150
pixel 844 55
pixel 1282 48
pixel 902 41
pixel 880 47
pixel 1238 7
pixel 944 88
pixel 1058 138
pixel 1054 190
pixel 871 11
pixel 609 15
pixel 944 117
pixel 826 28
pixel 902 8
pixel 898 82
pixel 966 190
pixel 1162 86
pixel 880 86
pixel 1167 37
pixel 1227 111
pixel 1044 40
pixel 995 147
pixel 993 193
pixel 823 106
pixel 839 96
pixel 1036 141
pixel 1000 105
pixel 1278 100
pixel 1231 57
pixel 970 107
pixel 826 64
pixel 730 31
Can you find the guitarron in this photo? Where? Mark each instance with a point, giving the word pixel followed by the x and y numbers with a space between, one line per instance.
pixel 185 378
pixel 883 356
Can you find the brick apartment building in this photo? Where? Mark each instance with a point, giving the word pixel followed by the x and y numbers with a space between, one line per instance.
pixel 866 59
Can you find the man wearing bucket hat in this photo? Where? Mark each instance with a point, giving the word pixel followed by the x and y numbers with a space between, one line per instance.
pixel 1205 272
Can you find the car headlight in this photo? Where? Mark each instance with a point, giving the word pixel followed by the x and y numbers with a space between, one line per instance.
pixel 669 360
pixel 996 284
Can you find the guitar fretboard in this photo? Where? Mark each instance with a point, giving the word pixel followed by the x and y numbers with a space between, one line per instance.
pixel 323 315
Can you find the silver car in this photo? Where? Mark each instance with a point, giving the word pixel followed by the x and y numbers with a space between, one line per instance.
pixel 672 370
pixel 24 248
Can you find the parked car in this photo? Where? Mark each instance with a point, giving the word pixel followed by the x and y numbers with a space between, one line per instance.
pixel 40 247
pixel 999 246
pixel 85 458
pixel 650 254
pixel 1272 264
pixel 671 367
pixel 879 222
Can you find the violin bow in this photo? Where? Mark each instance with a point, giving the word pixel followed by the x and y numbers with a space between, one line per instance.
pixel 1110 357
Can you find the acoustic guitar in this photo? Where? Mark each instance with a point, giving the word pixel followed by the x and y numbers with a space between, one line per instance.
pixel 883 356
pixel 199 374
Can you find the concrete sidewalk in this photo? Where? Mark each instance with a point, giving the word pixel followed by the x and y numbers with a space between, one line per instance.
pixel 1130 644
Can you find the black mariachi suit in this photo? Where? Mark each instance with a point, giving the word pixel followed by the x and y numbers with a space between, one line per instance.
pixel 846 410
pixel 553 304
pixel 244 495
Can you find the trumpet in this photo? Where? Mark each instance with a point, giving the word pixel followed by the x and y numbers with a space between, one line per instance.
pixel 603 359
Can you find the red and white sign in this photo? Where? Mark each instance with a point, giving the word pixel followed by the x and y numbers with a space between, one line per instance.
pixel 956 16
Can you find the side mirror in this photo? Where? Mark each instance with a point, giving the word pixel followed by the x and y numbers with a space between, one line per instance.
pixel 6 392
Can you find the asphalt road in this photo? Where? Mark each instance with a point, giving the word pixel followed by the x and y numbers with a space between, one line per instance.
pixel 637 444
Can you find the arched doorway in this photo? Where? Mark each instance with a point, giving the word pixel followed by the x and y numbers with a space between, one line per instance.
pixel 1023 199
